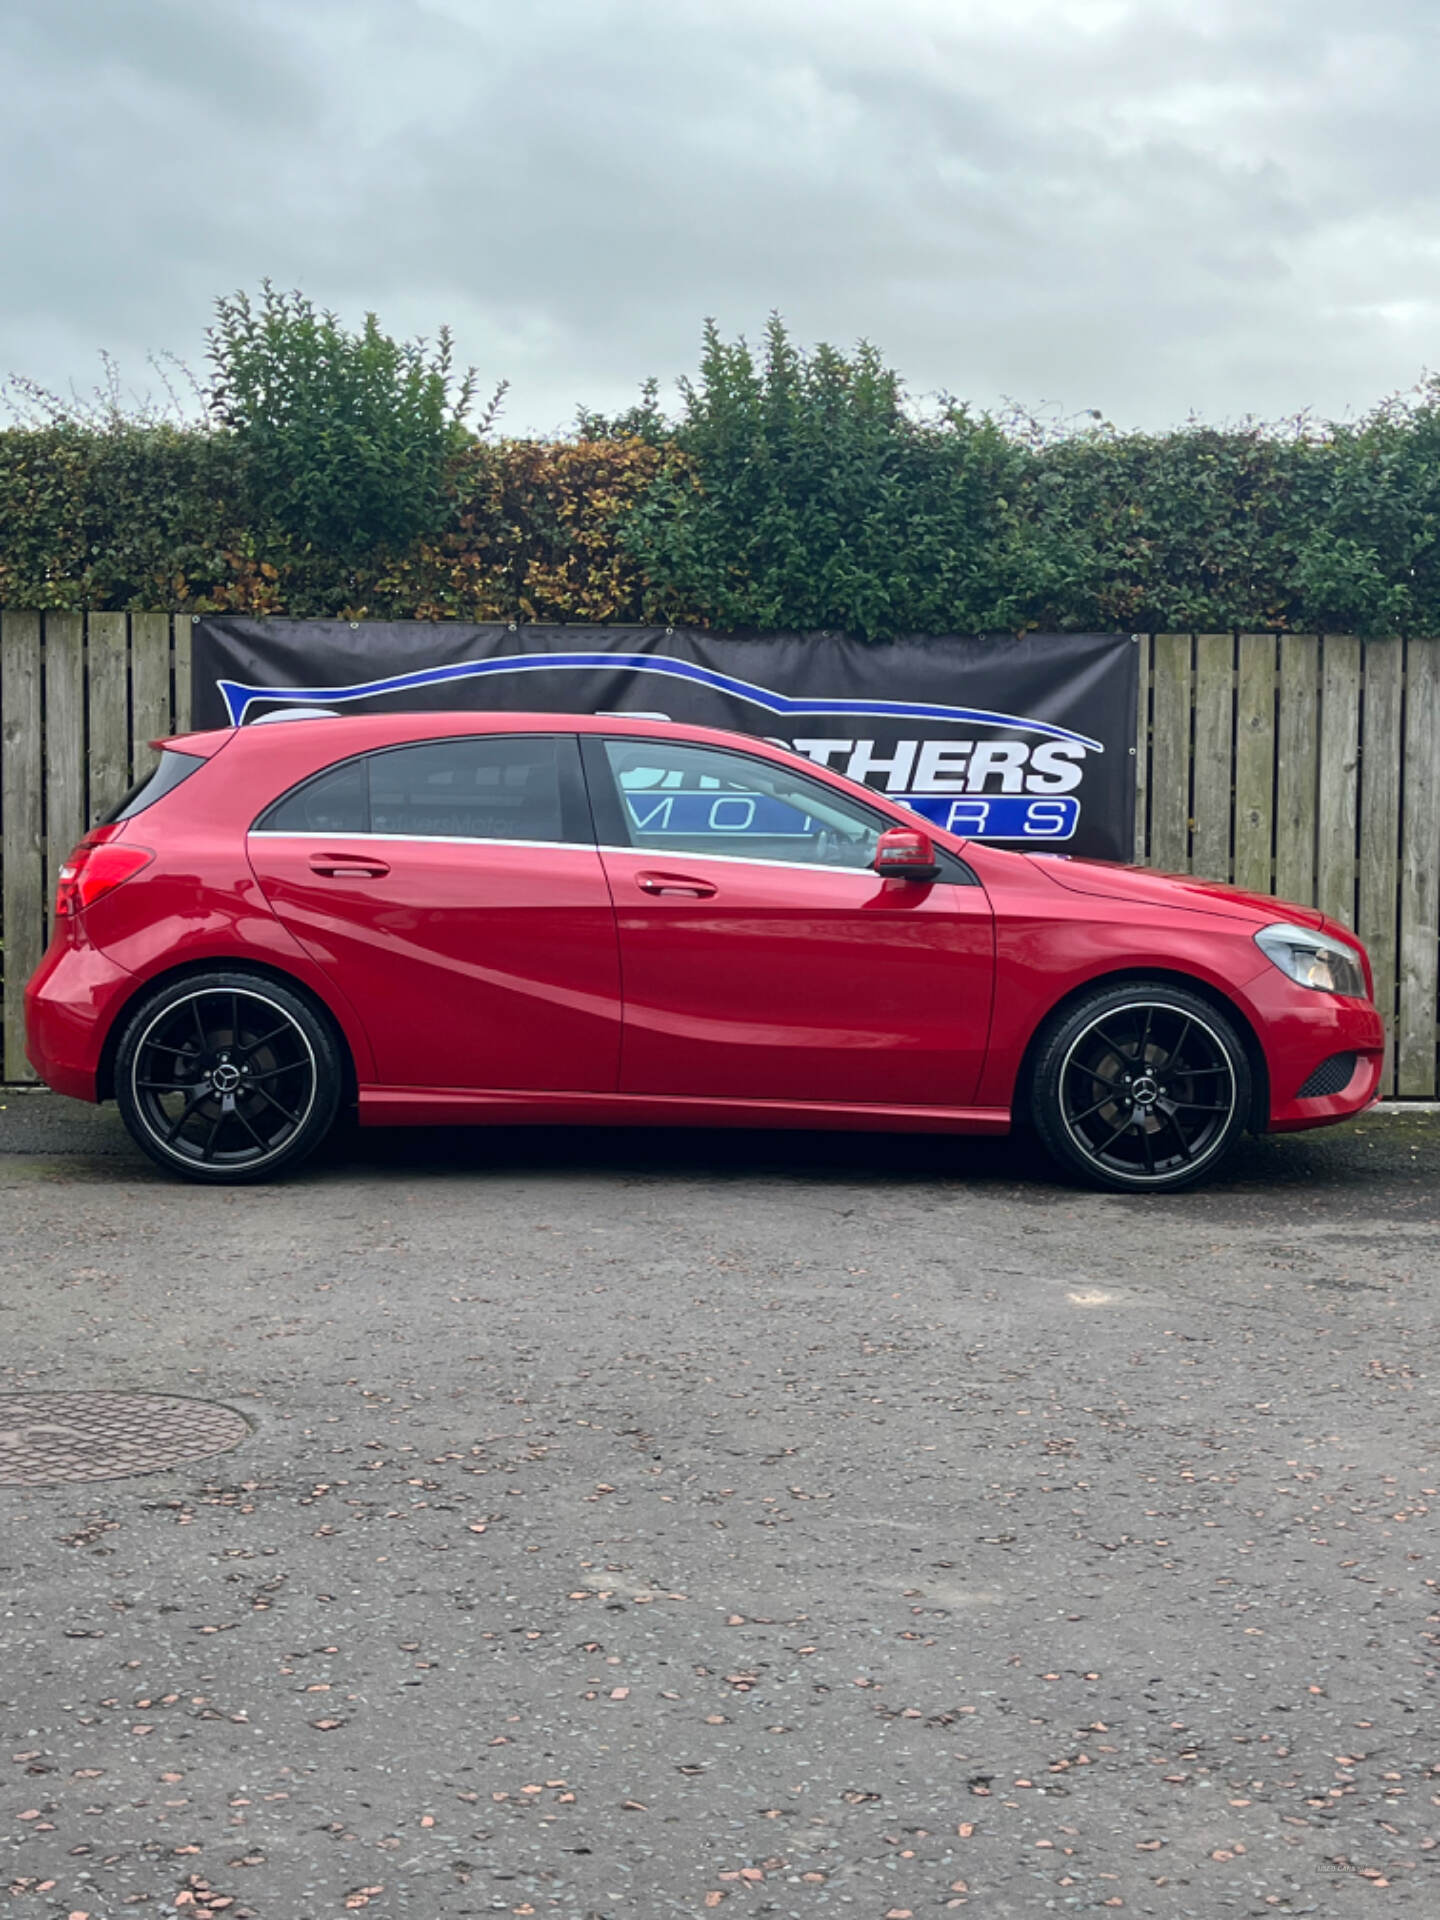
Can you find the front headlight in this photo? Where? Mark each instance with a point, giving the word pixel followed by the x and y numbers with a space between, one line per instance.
pixel 1313 961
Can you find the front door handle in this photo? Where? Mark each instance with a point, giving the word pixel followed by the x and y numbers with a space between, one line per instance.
pixel 674 883
pixel 347 866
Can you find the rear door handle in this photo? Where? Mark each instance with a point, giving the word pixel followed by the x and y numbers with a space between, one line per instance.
pixel 347 866
pixel 674 883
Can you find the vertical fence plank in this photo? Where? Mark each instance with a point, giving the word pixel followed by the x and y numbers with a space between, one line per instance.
pixel 1170 754
pixel 1255 761
pixel 1378 925
pixel 1142 748
pixel 1296 768
pixel 109 690
pixel 1214 753
pixel 1419 872
pixel 183 627
pixel 149 686
pixel 64 744
pixel 1336 843
pixel 22 784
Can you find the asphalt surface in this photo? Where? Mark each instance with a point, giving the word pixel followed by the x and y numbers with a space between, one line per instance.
pixel 776 1525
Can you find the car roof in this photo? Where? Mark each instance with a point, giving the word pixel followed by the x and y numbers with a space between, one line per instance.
pixel 346 733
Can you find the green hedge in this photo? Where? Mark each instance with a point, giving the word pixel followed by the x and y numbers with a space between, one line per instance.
pixel 796 490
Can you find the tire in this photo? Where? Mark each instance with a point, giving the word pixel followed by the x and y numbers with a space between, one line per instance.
pixel 228 1077
pixel 1140 1088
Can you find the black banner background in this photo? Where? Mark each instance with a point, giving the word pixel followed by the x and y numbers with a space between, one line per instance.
pixel 1026 740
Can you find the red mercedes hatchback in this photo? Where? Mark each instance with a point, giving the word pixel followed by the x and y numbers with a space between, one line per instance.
pixel 520 918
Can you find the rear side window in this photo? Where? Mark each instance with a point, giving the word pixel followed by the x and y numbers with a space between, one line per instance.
pixel 501 787
pixel 498 789
pixel 173 768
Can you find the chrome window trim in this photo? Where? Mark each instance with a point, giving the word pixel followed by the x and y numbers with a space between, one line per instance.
pixel 419 839
pixel 653 854
pixel 589 846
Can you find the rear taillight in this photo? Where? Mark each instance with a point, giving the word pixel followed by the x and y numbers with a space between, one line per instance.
pixel 96 867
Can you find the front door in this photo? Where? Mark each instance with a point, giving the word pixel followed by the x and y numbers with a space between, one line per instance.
pixel 762 957
pixel 453 891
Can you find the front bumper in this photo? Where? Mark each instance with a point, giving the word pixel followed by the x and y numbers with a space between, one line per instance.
pixel 1300 1030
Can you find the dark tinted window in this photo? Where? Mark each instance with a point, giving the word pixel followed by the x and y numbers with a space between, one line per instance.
pixel 505 787
pixel 173 768
pixel 333 802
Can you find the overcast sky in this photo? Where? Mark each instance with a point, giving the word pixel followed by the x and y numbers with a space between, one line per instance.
pixel 1149 207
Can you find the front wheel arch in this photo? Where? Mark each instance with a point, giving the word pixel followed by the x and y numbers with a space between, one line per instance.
pixel 1141 1086
pixel 1259 1120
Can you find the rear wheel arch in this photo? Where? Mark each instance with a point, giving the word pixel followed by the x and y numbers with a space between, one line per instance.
pixel 1162 976
pixel 220 963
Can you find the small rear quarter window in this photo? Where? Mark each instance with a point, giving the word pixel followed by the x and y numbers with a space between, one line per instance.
pixel 336 801
pixel 173 768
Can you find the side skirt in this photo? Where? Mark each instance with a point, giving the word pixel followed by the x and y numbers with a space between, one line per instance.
pixel 458 1106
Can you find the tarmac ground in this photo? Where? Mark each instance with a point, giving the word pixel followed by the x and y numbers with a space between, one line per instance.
pixel 763 1524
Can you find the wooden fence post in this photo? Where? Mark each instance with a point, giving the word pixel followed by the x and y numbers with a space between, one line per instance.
pixel 1142 750
pixel 65 819
pixel 22 785
pixel 1170 755
pixel 150 686
pixel 1339 777
pixel 183 627
pixel 1296 766
pixel 109 687
pixel 1214 781
pixel 1254 761
pixel 1379 921
pixel 1419 872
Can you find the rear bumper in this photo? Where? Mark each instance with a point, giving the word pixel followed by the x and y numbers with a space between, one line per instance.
pixel 69 1003
pixel 1301 1030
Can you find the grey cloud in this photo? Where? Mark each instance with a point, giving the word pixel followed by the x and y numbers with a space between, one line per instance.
pixel 1195 204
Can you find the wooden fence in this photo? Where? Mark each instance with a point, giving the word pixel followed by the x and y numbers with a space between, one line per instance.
pixel 1296 764
pixel 80 696
pixel 1307 766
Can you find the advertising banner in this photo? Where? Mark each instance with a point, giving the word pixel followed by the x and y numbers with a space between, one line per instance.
pixel 1027 740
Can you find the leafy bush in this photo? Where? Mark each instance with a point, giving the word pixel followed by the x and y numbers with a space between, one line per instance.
pixel 119 517
pixel 345 437
pixel 1368 545
pixel 534 535
pixel 334 474
pixel 1191 530
pixel 807 497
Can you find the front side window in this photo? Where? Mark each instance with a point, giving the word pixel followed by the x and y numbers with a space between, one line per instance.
pixel 683 799
pixel 499 787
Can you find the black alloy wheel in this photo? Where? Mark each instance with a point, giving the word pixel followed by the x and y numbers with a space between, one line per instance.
pixel 1141 1088
pixel 228 1077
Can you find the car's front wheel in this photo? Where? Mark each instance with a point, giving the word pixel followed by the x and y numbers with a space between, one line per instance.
pixel 1141 1087
pixel 228 1077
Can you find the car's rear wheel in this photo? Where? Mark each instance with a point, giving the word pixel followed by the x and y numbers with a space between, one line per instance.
pixel 228 1077
pixel 1142 1087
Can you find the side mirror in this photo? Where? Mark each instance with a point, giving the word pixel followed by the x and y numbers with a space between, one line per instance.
pixel 905 853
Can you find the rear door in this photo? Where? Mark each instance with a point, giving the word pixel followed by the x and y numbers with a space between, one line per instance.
pixel 763 958
pixel 453 890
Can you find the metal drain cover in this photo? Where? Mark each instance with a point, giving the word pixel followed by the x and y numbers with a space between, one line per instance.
pixel 49 1438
